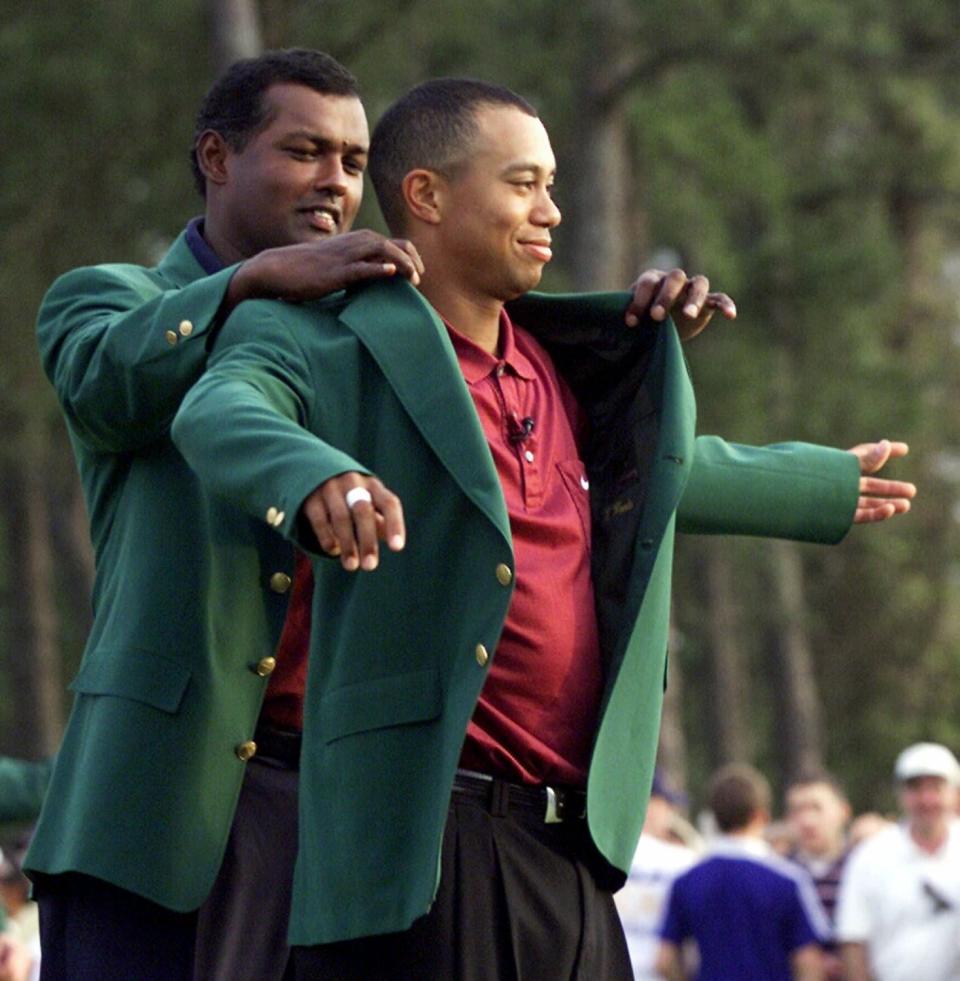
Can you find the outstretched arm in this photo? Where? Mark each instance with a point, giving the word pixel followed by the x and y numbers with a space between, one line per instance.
pixel 243 429
pixel 122 344
pixel 880 499
pixel 349 515
pixel 791 490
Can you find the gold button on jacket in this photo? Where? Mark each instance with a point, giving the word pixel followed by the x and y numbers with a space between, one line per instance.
pixel 504 575
pixel 185 328
pixel 171 336
pixel 246 751
pixel 265 666
pixel 482 655
pixel 280 582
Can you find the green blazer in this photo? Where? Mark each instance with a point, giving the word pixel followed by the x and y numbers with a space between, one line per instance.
pixel 146 782
pixel 296 394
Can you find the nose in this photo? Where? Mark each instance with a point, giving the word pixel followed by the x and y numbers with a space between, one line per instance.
pixel 546 214
pixel 331 177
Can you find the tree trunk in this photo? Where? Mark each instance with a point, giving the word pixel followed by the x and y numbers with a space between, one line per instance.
pixel 603 217
pixel 800 720
pixel 74 575
pixel 234 31
pixel 600 251
pixel 732 740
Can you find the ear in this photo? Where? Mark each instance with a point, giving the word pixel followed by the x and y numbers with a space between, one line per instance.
pixel 212 152
pixel 423 195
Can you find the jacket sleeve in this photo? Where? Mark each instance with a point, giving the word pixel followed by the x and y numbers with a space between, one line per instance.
pixel 788 490
pixel 121 349
pixel 242 427
pixel 22 788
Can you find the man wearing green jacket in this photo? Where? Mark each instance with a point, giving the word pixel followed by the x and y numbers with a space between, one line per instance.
pixel 175 788
pixel 482 711
pixel 142 805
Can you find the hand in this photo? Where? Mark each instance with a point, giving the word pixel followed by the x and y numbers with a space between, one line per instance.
pixel 353 533
pixel 687 300
pixel 314 269
pixel 880 499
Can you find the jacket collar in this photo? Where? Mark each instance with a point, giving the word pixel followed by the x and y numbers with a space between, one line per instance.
pixel 180 265
pixel 412 347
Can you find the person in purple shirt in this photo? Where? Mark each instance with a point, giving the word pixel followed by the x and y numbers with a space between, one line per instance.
pixel 752 915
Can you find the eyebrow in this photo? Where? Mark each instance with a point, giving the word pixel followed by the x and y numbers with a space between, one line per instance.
pixel 325 143
pixel 524 168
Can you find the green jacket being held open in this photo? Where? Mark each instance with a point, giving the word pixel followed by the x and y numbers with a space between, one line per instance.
pixel 368 381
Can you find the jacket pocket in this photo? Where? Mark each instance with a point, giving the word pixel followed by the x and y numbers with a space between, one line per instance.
pixel 379 704
pixel 140 675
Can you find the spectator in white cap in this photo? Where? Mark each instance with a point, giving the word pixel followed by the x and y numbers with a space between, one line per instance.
pixel 899 912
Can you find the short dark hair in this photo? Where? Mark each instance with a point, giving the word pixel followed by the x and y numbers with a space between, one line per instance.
pixel 808 778
pixel 432 126
pixel 737 793
pixel 234 107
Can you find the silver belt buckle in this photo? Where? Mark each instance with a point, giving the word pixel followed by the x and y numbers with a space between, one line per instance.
pixel 551 817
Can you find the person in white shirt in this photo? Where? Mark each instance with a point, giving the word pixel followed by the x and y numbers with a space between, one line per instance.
pixel 658 860
pixel 898 917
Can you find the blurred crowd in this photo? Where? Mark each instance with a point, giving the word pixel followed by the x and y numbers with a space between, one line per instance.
pixel 737 896
pixel 19 924
pixel 819 893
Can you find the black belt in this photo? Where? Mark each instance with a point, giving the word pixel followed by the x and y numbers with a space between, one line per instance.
pixel 550 804
pixel 279 744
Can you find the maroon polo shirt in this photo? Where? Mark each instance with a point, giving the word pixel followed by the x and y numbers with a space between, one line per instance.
pixel 283 702
pixel 535 718
pixel 536 715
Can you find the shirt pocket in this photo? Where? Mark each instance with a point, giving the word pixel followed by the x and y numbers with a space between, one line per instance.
pixel 573 474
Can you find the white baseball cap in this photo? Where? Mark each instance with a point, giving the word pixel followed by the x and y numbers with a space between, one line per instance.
pixel 927 760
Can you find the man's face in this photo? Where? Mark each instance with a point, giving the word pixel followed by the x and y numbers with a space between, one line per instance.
pixel 300 178
pixel 498 210
pixel 817 816
pixel 928 802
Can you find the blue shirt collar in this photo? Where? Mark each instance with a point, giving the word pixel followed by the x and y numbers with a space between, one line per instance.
pixel 209 260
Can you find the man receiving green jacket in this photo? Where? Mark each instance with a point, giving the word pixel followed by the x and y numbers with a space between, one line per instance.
pixel 482 712
pixel 174 791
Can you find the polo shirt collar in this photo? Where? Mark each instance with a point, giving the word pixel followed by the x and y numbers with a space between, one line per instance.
pixel 209 260
pixel 477 364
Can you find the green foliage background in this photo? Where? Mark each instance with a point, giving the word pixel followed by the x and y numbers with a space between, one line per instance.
pixel 806 155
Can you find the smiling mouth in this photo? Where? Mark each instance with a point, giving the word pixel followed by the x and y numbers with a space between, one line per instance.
pixel 539 250
pixel 324 220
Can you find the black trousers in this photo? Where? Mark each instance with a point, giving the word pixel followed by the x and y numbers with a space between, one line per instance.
pixel 517 902
pixel 91 930
pixel 242 926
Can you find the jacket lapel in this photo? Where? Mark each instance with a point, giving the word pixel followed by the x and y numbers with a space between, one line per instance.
pixel 412 348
